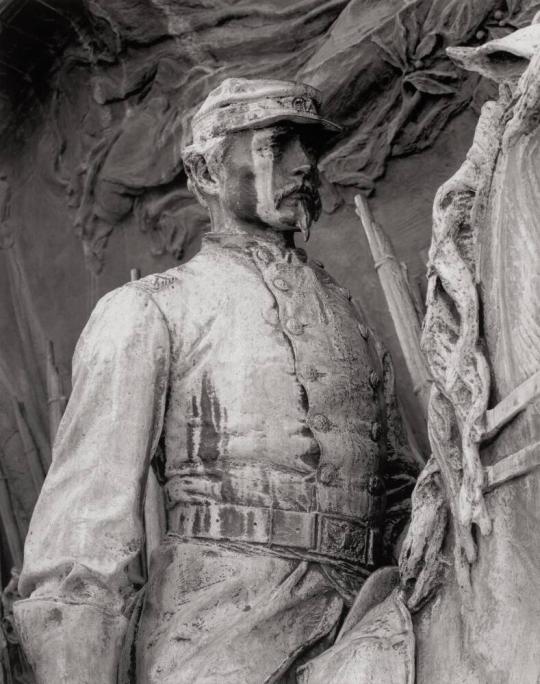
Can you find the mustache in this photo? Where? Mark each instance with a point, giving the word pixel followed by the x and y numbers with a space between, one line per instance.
pixel 310 203
pixel 306 190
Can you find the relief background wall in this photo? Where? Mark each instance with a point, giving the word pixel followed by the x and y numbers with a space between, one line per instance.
pixel 95 100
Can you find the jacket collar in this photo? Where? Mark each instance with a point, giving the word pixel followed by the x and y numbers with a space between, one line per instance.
pixel 268 238
pixel 257 242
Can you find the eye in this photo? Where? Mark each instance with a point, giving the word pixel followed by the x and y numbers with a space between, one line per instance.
pixel 269 148
pixel 279 140
pixel 273 146
pixel 274 152
pixel 276 144
pixel 276 141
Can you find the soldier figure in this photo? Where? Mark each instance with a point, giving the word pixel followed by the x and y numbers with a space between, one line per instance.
pixel 250 383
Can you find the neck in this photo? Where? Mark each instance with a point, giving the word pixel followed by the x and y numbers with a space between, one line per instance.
pixel 222 222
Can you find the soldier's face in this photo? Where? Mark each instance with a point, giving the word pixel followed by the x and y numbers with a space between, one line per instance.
pixel 270 177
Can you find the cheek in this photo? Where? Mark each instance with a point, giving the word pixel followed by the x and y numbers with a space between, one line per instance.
pixel 264 181
pixel 240 194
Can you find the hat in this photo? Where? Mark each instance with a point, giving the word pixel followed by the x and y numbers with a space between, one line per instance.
pixel 488 59
pixel 241 103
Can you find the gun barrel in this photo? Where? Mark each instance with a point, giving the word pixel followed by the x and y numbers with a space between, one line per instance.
pixel 399 300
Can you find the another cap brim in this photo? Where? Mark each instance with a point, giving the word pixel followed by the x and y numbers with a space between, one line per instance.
pixel 304 119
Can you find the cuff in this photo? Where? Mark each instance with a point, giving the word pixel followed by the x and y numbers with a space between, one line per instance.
pixel 67 643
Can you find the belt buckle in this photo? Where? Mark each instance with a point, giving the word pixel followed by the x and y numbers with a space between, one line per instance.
pixel 344 539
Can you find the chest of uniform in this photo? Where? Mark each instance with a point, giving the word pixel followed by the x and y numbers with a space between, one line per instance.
pixel 266 312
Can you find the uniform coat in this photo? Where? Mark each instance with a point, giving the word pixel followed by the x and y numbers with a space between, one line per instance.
pixel 251 383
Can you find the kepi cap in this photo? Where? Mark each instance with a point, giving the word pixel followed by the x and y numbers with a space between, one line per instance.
pixel 241 103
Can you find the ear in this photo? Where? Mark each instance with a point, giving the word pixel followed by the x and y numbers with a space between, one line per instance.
pixel 199 175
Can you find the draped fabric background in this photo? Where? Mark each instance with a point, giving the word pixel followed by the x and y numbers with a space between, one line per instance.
pixel 95 103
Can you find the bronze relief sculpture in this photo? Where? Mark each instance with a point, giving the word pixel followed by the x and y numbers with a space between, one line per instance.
pixel 251 383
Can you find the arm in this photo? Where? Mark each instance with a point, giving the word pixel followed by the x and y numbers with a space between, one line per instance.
pixel 86 527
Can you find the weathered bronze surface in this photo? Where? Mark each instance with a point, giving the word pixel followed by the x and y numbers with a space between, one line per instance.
pixel 252 375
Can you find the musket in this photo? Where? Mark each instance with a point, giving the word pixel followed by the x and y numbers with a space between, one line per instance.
pixel 33 347
pixel 400 302
pixel 9 522
pixel 55 398
pixel 29 447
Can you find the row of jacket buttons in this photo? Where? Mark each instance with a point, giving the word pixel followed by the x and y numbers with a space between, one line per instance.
pixel 295 327
pixel 318 421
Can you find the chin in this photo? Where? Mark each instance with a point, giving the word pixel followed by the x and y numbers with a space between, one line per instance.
pixel 295 227
pixel 285 227
pixel 292 221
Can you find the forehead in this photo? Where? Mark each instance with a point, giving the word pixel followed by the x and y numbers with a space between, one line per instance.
pixel 279 134
pixel 284 129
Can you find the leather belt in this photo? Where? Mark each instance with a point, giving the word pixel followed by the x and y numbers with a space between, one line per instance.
pixel 333 536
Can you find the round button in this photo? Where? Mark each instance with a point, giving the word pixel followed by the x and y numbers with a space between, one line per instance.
pixel 375 431
pixel 327 473
pixel 320 422
pixel 294 327
pixel 374 379
pixel 281 284
pixel 264 255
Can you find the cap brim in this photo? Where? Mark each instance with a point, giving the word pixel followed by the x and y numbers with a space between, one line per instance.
pixel 304 119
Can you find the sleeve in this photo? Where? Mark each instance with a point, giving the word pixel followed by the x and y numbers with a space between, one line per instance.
pixel 87 524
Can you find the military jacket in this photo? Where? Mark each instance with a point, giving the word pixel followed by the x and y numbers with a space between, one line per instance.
pixel 252 383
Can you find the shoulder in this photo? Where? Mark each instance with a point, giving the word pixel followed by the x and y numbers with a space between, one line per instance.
pixel 129 300
pixel 163 289
pixel 156 282
pixel 123 316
